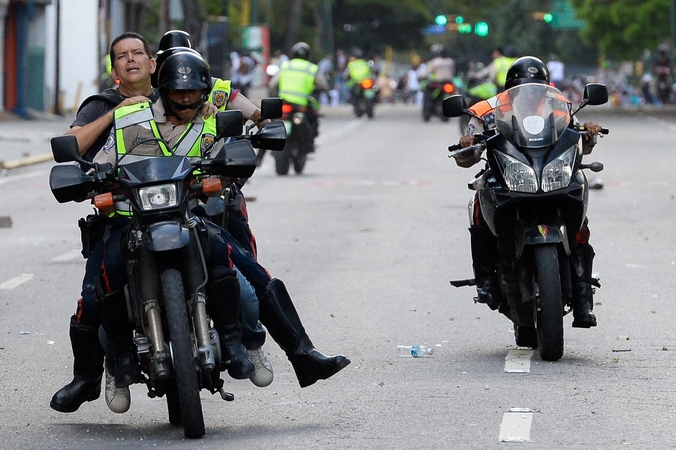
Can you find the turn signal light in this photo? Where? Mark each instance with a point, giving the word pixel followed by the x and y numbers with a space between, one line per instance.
pixel 210 185
pixel 104 201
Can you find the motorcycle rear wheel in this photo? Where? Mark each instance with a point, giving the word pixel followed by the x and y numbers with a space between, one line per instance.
pixel 182 354
pixel 549 304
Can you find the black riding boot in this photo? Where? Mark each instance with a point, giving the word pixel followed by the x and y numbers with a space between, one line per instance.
pixel 121 360
pixel 224 308
pixel 87 370
pixel 280 318
pixel 484 260
pixel 583 298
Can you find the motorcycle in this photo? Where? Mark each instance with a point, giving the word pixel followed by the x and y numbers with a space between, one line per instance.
pixel 477 91
pixel 533 195
pixel 300 139
pixel 435 93
pixel 364 96
pixel 178 349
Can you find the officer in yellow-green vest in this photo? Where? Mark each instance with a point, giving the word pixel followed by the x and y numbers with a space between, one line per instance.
pixel 296 81
pixel 497 69
pixel 184 84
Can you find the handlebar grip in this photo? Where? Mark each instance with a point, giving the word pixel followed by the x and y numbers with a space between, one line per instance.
pixel 453 148
pixel 604 131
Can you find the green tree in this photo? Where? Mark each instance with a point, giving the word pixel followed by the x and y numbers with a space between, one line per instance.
pixel 624 28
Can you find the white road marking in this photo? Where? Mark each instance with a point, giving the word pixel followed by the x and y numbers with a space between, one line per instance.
pixel 16 281
pixel 70 256
pixel 518 360
pixel 516 425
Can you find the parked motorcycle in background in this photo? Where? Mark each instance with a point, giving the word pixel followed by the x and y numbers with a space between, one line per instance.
pixel 533 195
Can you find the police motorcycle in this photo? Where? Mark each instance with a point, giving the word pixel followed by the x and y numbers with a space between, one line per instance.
pixel 436 91
pixel 177 345
pixel 300 139
pixel 364 96
pixel 533 195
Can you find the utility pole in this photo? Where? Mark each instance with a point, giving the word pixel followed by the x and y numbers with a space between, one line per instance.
pixel 57 60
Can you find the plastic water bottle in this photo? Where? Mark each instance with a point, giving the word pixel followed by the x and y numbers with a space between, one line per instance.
pixel 414 351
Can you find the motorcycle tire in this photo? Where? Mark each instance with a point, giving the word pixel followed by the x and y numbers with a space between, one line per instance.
pixel 173 404
pixel 548 307
pixel 525 336
pixel 282 159
pixel 299 162
pixel 369 110
pixel 426 115
pixel 182 354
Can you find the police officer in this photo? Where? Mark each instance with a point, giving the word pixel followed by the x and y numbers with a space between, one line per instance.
pixel 357 70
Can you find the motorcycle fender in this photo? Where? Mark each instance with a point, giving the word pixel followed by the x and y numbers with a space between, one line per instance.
pixel 163 236
pixel 369 94
pixel 541 234
pixel 287 126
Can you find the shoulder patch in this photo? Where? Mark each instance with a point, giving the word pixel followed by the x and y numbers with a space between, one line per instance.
pixel 220 98
pixel 110 143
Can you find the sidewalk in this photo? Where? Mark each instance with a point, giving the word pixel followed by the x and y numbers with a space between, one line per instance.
pixel 24 142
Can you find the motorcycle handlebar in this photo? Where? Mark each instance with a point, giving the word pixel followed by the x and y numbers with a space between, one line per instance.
pixel 582 129
pixel 457 150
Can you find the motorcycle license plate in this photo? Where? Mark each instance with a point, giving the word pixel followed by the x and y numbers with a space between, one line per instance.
pixel 369 94
pixel 287 126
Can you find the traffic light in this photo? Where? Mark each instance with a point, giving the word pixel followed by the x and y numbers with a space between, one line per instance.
pixel 459 19
pixel 440 20
pixel 465 28
pixel 481 29
pixel 547 18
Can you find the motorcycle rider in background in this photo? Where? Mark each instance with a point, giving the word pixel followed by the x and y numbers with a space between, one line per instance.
pixel 440 68
pixel 484 249
pixel 296 81
pixel 357 70
pixel 496 71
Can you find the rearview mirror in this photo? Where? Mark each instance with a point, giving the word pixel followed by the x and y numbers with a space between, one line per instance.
pixel 65 148
pixel 271 108
pixel 271 137
pixel 454 106
pixel 229 123
pixel 595 94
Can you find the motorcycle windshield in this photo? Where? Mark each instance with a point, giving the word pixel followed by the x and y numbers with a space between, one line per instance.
pixel 532 115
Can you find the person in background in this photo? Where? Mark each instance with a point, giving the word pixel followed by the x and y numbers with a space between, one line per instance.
pixel 557 71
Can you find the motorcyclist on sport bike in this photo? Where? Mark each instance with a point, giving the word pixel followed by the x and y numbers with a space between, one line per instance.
pixel 524 70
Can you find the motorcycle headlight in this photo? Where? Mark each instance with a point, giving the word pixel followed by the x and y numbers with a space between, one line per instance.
pixel 158 197
pixel 518 176
pixel 557 174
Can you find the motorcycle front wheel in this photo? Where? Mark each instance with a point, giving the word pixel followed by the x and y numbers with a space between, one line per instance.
pixel 282 159
pixel 182 354
pixel 548 303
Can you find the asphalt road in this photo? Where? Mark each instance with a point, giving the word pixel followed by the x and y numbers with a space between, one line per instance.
pixel 367 240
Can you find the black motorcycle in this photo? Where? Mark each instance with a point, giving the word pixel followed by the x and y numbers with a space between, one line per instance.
pixel 434 95
pixel 533 196
pixel 299 142
pixel 164 249
pixel 364 97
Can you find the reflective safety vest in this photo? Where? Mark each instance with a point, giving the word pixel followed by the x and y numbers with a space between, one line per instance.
pixel 137 123
pixel 358 70
pixel 297 80
pixel 502 64
pixel 220 93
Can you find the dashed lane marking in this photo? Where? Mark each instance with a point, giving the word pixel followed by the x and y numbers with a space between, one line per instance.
pixel 516 425
pixel 16 281
pixel 70 256
pixel 518 360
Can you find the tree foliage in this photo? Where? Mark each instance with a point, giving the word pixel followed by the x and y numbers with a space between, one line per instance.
pixel 624 28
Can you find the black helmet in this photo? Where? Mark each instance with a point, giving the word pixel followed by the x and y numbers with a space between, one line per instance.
pixel 183 70
pixel 174 38
pixel 527 69
pixel 357 53
pixel 162 56
pixel 300 50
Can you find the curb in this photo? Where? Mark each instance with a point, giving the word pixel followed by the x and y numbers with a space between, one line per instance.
pixel 26 161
